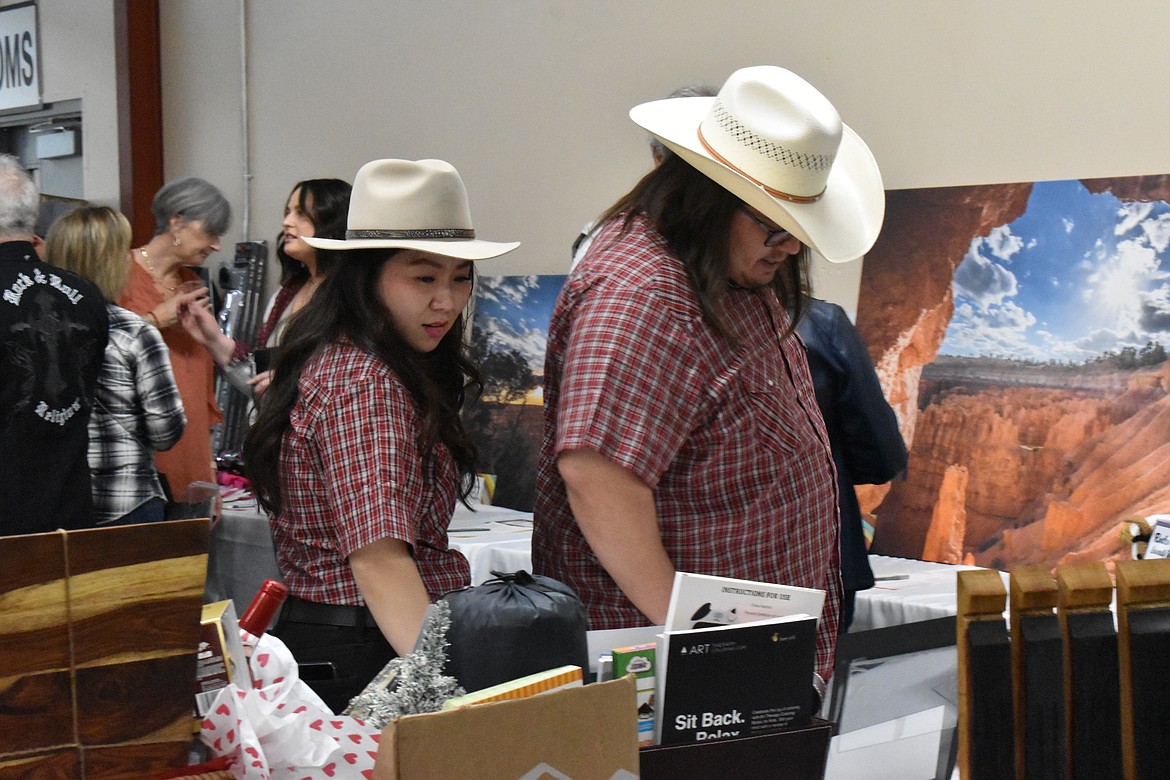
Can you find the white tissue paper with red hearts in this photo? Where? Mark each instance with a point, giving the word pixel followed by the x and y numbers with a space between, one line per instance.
pixel 281 730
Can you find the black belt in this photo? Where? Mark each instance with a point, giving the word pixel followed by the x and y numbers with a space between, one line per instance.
pixel 349 615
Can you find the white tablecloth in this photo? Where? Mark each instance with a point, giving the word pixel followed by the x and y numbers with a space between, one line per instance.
pixel 907 591
pixel 492 539
pixel 500 539
pixel 240 555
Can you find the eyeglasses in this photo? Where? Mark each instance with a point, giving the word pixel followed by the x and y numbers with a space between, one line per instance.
pixel 775 237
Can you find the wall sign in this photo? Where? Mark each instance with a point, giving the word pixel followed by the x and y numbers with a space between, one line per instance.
pixel 20 69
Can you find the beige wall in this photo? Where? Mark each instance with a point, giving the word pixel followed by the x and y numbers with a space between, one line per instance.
pixel 78 61
pixel 528 98
pixel 201 50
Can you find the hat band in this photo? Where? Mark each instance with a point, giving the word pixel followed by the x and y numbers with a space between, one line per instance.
pixel 422 233
pixel 775 193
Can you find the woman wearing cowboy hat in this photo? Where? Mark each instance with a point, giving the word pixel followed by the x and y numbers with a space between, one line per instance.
pixel 681 429
pixel 358 449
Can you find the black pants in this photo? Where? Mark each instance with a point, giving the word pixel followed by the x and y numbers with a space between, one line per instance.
pixel 339 649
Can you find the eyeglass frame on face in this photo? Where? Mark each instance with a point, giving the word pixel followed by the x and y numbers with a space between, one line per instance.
pixel 775 237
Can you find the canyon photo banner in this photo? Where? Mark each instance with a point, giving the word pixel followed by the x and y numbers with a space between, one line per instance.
pixel 1020 332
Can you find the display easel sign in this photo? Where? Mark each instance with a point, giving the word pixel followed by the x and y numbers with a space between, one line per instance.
pixel 1159 545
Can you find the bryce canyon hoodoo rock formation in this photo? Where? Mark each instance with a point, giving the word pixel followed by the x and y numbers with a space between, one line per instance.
pixel 1005 470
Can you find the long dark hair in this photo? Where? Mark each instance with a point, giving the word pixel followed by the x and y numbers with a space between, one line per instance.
pixel 693 214
pixel 347 306
pixel 326 203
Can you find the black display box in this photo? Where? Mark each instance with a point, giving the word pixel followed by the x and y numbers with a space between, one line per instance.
pixel 793 754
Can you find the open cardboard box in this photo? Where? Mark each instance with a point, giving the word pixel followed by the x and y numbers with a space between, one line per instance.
pixel 585 733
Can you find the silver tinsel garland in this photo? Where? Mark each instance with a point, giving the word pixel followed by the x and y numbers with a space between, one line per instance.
pixel 412 684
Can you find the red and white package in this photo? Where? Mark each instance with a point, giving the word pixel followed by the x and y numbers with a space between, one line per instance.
pixel 280 729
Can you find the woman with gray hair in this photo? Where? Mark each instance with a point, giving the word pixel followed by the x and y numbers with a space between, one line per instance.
pixel 190 215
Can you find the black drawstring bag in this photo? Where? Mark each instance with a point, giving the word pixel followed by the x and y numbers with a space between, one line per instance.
pixel 515 625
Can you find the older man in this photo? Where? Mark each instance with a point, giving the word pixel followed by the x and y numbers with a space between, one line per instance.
pixel 53 332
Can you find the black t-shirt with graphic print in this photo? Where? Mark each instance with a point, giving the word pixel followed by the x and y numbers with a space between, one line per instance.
pixel 53 332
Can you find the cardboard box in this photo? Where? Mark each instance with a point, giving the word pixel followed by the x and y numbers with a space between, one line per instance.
pixel 585 733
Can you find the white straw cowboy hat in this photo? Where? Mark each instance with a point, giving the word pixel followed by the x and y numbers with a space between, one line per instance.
pixel 774 141
pixel 406 204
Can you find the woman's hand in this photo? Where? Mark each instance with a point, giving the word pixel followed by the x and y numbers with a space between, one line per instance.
pixel 168 312
pixel 199 322
pixel 194 314
pixel 260 382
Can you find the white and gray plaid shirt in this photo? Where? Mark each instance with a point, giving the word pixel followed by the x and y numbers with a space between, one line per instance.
pixel 138 410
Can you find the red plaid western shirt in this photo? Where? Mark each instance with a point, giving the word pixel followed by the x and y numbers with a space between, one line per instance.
pixel 351 473
pixel 729 438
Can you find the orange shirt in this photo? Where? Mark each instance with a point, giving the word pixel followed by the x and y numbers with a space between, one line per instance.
pixel 190 459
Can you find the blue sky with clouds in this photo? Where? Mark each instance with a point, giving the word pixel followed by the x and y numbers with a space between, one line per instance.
pixel 514 312
pixel 1076 275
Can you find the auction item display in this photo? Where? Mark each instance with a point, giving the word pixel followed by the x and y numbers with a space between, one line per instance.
pixel 1104 719
pixel 1037 659
pixel 1143 626
pixel 702 600
pixel 736 659
pixel 740 680
pixel 547 681
pixel 221 660
pixel 515 624
pixel 638 660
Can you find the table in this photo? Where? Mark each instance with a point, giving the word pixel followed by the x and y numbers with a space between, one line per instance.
pixel 241 556
pixel 500 539
pixel 899 716
pixel 907 591
pixel 496 538
pixel 492 539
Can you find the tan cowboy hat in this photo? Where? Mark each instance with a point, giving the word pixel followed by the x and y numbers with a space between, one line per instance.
pixel 406 204
pixel 774 141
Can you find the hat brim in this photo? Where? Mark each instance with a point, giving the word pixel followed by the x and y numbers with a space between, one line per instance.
pixel 841 225
pixel 461 249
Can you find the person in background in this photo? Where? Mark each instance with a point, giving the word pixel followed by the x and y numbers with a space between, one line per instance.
pixel 53 332
pixel 358 450
pixel 681 429
pixel 138 409
pixel 867 446
pixel 658 153
pixel 190 215
pixel 315 208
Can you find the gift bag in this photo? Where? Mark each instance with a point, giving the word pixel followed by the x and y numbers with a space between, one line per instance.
pixel 279 729
pixel 514 625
